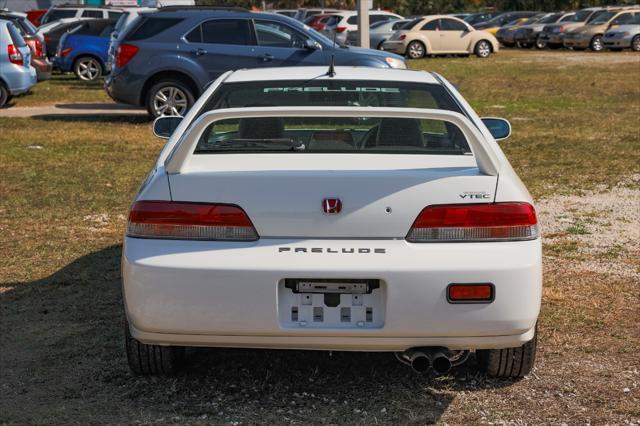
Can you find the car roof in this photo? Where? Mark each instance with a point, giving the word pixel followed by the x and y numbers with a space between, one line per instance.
pixel 320 73
pixel 12 14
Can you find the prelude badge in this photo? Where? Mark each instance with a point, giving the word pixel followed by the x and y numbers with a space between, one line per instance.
pixel 332 205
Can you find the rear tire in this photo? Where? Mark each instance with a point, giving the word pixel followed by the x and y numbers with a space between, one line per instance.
pixel 596 44
pixel 169 97
pixel 482 49
pixel 540 44
pixel 152 360
pixel 416 50
pixel 87 68
pixel 509 363
pixel 4 95
pixel 635 44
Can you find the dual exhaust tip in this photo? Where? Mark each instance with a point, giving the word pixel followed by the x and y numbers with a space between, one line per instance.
pixel 422 360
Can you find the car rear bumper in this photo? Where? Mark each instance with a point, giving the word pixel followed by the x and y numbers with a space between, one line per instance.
pixel 552 38
pixel 398 47
pixel 121 90
pixel 232 294
pixel 43 68
pixel 581 43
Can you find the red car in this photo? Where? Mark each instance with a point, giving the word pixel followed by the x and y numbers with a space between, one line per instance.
pixel 318 22
pixel 35 15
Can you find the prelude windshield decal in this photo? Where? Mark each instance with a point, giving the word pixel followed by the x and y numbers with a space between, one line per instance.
pixel 328 89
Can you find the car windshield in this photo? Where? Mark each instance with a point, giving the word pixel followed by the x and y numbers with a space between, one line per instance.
pixel 580 16
pixel 550 19
pixel 603 18
pixel 349 135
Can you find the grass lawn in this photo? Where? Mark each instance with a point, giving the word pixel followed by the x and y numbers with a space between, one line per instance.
pixel 67 183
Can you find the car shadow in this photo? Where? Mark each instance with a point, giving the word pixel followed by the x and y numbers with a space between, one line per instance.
pixel 63 347
pixel 105 117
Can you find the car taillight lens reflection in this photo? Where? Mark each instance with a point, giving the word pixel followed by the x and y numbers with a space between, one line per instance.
pixel 189 221
pixel 15 57
pixel 125 53
pixel 475 222
pixel 38 50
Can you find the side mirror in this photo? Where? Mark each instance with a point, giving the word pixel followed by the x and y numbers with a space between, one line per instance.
pixel 499 128
pixel 164 126
pixel 312 44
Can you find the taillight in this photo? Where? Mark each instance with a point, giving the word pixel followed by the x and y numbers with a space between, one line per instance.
pixel 15 57
pixel 561 29
pixel 402 36
pixel 64 52
pixel 125 53
pixel 189 221
pixel 38 49
pixel 341 29
pixel 470 293
pixel 475 222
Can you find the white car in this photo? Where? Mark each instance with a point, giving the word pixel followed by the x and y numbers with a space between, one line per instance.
pixel 344 22
pixel 296 208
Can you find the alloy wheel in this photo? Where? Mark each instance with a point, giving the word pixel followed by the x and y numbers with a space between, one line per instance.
pixel 596 44
pixel 170 100
pixel 416 50
pixel 635 44
pixel 483 49
pixel 88 69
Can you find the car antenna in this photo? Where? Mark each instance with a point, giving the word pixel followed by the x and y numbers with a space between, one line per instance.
pixel 332 69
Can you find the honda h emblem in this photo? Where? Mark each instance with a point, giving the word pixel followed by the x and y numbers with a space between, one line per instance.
pixel 332 205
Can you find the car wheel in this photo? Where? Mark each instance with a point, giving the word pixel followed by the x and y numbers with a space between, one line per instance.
pixel 169 97
pixel 152 360
pixel 635 43
pixel 510 362
pixel 596 44
pixel 540 43
pixel 4 95
pixel 416 50
pixel 482 49
pixel 87 68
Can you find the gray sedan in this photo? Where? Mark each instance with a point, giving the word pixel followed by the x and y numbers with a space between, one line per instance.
pixel 378 33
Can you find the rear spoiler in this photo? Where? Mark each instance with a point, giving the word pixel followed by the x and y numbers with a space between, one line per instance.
pixel 178 159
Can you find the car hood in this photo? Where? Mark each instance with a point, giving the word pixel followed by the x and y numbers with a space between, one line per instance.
pixel 350 51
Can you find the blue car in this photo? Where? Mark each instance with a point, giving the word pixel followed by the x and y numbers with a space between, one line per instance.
pixel 168 58
pixel 84 51
pixel 17 76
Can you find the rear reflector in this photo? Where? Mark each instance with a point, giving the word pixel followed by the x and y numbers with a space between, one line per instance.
pixel 65 52
pixel 475 222
pixel 189 221
pixel 470 293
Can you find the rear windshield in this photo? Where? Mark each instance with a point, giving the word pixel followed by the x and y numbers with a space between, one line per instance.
pixel 332 135
pixel 332 93
pixel 15 35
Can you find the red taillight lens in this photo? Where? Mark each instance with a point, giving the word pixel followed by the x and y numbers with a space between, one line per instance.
pixel 64 52
pixel 125 53
pixel 189 221
pixel 38 50
pixel 341 29
pixel 475 222
pixel 470 293
pixel 15 57
pixel 402 36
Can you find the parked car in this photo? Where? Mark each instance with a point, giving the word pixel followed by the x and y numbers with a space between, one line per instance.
pixel 304 13
pixel 17 75
pixel 529 35
pixel 506 34
pixel 345 22
pixel 378 33
pixel 553 34
pixel 35 15
pixel 168 59
pixel 128 18
pixel 53 32
pixel 318 22
pixel 286 12
pixel 35 42
pixel 477 18
pixel 323 225
pixel 624 36
pixel 590 35
pixel 84 51
pixel 438 35
pixel 69 11
pixel 507 18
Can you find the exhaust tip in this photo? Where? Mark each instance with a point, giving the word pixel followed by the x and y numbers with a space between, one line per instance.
pixel 441 364
pixel 421 363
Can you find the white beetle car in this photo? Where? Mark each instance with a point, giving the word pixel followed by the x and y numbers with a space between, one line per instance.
pixel 370 210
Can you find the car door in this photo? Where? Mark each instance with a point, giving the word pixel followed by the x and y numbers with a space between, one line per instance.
pixel 221 45
pixel 454 36
pixel 431 30
pixel 280 45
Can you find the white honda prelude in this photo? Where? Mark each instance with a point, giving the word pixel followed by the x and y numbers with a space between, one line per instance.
pixel 361 210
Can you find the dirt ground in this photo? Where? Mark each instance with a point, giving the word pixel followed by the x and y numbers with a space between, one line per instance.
pixel 63 200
